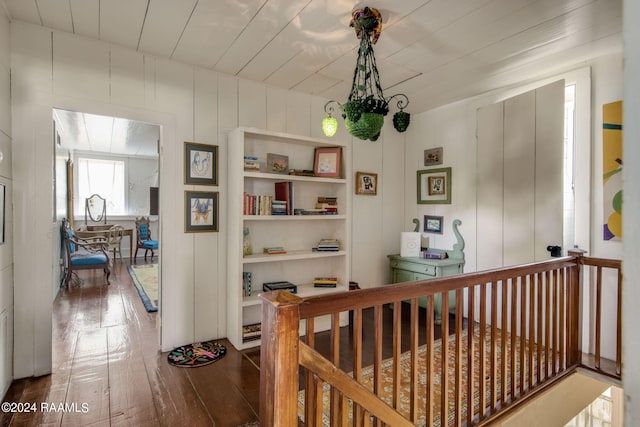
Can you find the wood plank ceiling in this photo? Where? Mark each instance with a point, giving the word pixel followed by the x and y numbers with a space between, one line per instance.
pixel 436 51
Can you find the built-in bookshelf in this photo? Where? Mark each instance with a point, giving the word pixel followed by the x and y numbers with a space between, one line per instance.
pixel 316 211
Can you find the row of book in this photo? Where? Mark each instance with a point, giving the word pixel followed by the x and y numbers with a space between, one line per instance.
pixel 246 283
pixel 325 282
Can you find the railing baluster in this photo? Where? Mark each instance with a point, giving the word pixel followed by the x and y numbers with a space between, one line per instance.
pixel 430 326
pixel 515 283
pixel 397 350
pixel 482 348
pixel 337 409
pixel 444 371
pixel 458 369
pixel 598 319
pixel 413 392
pixel 540 317
pixel 471 370
pixel 532 323
pixel 554 322
pixel 494 353
pixel 311 380
pixel 377 353
pixel 562 323
pixel 548 347
pixel 523 333
pixel 504 284
pixel 357 359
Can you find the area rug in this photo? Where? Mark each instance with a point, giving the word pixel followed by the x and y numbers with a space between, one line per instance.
pixel 405 366
pixel 196 354
pixel 145 279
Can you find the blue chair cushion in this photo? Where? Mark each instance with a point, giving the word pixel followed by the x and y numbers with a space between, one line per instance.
pixel 72 246
pixel 88 258
pixel 143 231
pixel 150 244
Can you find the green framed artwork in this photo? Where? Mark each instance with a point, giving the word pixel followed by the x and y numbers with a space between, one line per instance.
pixel 434 186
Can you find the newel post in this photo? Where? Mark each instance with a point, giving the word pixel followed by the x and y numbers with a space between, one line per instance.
pixel 574 352
pixel 279 359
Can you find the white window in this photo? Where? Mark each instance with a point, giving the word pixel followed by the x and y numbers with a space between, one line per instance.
pixel 105 177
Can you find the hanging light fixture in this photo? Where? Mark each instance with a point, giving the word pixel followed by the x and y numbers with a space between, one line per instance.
pixel 366 106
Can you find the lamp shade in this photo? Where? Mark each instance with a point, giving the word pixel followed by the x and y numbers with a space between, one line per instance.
pixel 329 125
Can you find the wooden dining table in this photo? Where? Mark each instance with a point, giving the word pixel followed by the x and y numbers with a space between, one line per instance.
pixel 102 230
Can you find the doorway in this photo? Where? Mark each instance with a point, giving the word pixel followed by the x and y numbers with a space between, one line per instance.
pixel 118 159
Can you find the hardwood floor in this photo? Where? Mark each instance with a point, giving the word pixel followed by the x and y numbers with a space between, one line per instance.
pixel 108 370
pixel 106 362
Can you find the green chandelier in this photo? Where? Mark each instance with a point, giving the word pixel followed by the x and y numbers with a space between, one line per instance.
pixel 366 107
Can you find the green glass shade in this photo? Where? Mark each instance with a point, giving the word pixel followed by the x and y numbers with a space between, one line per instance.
pixel 329 125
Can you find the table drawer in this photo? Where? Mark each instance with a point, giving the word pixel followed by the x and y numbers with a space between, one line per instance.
pixel 429 270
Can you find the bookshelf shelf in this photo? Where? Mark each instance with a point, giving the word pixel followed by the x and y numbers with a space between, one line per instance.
pixel 292 232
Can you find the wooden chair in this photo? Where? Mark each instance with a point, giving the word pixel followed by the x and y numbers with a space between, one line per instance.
pixel 83 254
pixel 144 240
pixel 114 239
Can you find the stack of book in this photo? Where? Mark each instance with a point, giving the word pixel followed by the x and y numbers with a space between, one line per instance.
pixel 251 164
pixel 271 250
pixel 327 245
pixel 251 332
pixel 246 283
pixel 433 254
pixel 282 285
pixel 328 205
pixel 325 282
pixel 278 207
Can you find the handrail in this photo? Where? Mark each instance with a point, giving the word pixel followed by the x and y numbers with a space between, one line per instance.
pixel 522 332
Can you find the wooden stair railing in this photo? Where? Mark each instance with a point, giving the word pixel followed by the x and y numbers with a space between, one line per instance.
pixel 527 320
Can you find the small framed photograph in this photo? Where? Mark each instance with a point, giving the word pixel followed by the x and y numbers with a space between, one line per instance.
pixel 277 163
pixel 433 156
pixel 327 162
pixel 367 183
pixel 200 164
pixel 434 186
pixel 201 211
pixel 433 224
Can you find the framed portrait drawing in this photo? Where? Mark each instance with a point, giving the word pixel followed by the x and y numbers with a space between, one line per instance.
pixel 277 163
pixel 200 164
pixel 367 183
pixel 327 162
pixel 434 186
pixel 201 211
pixel 433 156
pixel 433 224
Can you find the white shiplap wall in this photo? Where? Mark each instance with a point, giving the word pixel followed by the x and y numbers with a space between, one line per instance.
pixel 59 70
pixel 6 249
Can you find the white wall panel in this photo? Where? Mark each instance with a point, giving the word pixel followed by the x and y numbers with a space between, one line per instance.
pixel 80 67
pixel 489 187
pixel 227 120
pixel 127 71
pixel 150 86
pixel 252 104
pixel 276 109
pixel 207 248
pixel 5 101
pixel 5 42
pixel 122 29
pixel 31 54
pixel 549 167
pixel 519 194
pixel 175 94
pixel 298 114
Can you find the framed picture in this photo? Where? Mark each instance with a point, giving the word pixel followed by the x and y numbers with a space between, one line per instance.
pixel 433 224
pixel 200 164
pixel 433 156
pixel 277 163
pixel 201 211
pixel 367 183
pixel 327 162
pixel 434 186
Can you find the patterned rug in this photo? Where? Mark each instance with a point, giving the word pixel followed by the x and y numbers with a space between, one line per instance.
pixel 145 278
pixel 405 364
pixel 196 354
